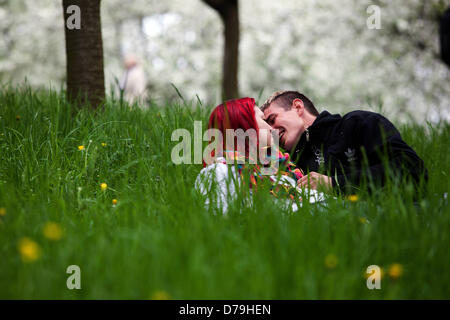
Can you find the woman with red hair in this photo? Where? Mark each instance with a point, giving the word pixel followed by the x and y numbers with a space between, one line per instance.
pixel 240 118
pixel 241 138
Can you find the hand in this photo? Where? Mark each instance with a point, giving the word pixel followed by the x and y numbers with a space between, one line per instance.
pixel 313 180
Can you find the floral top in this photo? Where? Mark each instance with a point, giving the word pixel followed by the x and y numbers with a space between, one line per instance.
pixel 280 165
pixel 214 179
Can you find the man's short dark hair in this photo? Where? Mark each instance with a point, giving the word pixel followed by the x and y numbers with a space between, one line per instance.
pixel 285 98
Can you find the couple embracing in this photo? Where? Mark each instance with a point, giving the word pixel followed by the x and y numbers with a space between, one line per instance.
pixel 320 152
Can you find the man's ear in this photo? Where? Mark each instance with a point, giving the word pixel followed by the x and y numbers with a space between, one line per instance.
pixel 298 105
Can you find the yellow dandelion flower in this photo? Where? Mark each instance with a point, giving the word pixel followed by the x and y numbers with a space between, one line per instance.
pixel 2 211
pixel 103 144
pixel 80 148
pixel 114 201
pixel 362 220
pixel 395 270
pixel 53 231
pixel 160 295
pixel 331 261
pixel 17 117
pixel 353 198
pixel 29 250
pixel 103 186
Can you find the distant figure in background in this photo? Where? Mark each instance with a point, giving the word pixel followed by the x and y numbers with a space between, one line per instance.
pixel 133 82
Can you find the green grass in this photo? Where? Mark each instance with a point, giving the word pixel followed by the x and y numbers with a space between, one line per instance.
pixel 160 238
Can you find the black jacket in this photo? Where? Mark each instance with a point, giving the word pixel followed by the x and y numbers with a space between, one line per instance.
pixel 337 146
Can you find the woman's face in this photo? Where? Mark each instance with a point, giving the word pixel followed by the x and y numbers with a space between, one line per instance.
pixel 265 135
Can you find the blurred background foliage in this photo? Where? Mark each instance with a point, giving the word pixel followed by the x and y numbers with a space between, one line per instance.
pixel 323 49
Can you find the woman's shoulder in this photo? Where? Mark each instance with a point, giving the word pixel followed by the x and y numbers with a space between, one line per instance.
pixel 218 171
pixel 217 177
pixel 219 168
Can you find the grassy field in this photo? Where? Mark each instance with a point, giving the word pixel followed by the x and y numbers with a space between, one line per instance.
pixel 158 240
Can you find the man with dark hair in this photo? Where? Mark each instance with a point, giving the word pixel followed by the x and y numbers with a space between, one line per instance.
pixel 340 152
pixel 285 98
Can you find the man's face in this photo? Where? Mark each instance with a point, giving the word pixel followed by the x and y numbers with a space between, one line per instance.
pixel 289 123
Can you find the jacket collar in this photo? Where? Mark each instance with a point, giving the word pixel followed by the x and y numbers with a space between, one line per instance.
pixel 318 130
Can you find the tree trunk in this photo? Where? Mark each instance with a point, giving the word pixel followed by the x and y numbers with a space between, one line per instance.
pixel 229 13
pixel 84 52
pixel 444 36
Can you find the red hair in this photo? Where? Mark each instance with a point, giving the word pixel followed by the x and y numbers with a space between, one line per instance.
pixel 234 114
